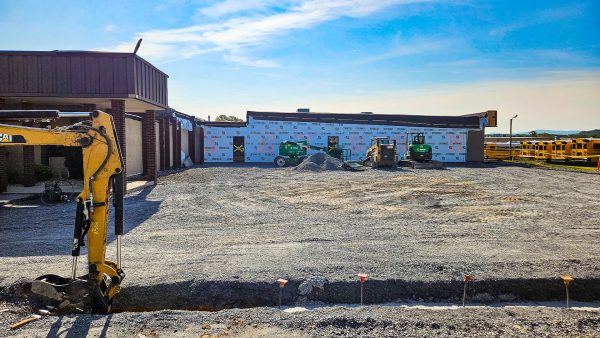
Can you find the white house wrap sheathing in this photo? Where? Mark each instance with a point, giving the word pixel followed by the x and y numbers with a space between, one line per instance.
pixel 262 139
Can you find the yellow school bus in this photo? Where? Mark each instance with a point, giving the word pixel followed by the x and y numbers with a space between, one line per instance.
pixel 542 149
pixel 561 150
pixel 501 150
pixel 585 149
pixel 527 150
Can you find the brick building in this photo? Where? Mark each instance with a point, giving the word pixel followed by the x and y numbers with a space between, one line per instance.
pixel 128 87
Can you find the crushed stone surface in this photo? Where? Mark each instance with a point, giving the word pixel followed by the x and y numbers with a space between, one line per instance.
pixel 368 321
pixel 257 223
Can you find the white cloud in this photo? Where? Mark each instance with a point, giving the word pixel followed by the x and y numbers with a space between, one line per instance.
pixel 545 16
pixel 234 6
pixel 233 36
pixel 411 47
pixel 246 61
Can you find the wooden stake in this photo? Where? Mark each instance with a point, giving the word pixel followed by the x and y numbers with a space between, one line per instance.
pixel 25 321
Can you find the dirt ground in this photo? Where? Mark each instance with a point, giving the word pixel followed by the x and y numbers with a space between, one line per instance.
pixel 226 233
pixel 339 321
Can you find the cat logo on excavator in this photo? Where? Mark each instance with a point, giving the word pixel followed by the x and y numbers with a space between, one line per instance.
pixel 5 138
pixel 8 138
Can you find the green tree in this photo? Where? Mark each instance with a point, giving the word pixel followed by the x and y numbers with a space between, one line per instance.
pixel 228 118
pixel 533 133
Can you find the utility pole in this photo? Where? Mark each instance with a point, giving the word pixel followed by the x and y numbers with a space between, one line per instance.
pixel 510 156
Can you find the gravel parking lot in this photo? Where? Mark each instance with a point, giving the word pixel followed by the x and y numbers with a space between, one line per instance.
pixel 218 236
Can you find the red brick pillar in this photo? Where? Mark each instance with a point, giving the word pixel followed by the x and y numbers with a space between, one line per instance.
pixel 3 164
pixel 168 131
pixel 118 114
pixel 176 140
pixel 28 179
pixel 3 171
pixel 178 157
pixel 161 143
pixel 192 142
pixel 149 145
pixel 201 144
pixel 44 153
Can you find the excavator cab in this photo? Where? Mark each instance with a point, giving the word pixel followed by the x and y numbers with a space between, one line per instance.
pixel 94 291
pixel 419 138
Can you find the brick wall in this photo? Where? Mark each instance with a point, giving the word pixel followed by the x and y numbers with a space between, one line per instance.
pixel 176 140
pixel 118 113
pixel 178 156
pixel 201 144
pixel 192 142
pixel 149 145
pixel 168 132
pixel 161 143
pixel 28 179
pixel 3 172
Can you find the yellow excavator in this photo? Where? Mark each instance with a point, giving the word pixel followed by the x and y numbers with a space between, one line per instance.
pixel 102 177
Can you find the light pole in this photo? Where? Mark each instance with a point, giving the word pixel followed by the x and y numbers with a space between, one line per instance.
pixel 510 138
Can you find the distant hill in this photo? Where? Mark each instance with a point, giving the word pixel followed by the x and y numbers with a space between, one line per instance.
pixel 557 132
pixel 551 133
pixel 568 133
pixel 589 133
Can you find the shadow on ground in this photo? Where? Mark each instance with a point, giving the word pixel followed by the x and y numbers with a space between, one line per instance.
pixel 30 228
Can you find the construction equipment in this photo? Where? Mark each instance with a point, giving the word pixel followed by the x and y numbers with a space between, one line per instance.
pixel 293 153
pixel 417 149
pixel 103 177
pixel 382 153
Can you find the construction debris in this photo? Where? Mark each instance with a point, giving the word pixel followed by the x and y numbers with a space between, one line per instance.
pixel 25 322
pixel 355 166
pixel 421 165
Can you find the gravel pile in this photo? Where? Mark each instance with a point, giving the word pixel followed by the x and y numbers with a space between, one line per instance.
pixel 320 162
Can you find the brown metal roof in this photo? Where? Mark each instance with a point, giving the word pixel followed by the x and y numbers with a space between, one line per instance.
pixel 430 121
pixel 72 77
pixel 222 124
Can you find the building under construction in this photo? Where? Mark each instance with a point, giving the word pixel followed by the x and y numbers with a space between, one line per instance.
pixel 453 138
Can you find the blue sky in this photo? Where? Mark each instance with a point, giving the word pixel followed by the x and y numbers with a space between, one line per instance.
pixel 540 59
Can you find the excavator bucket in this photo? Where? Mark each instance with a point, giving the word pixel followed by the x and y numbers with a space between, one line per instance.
pixel 79 295
pixel 69 295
